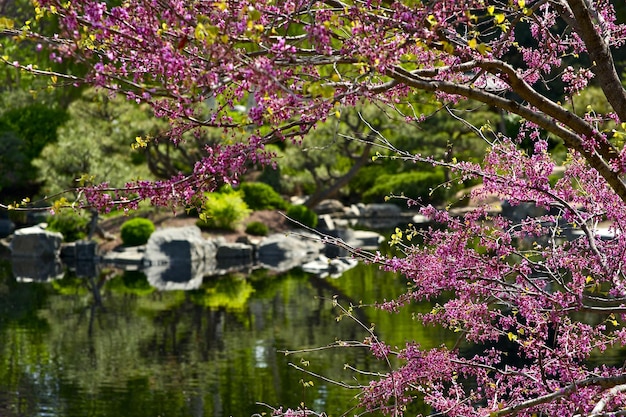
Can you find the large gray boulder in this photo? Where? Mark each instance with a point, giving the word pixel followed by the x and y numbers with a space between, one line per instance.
pixel 35 254
pixel 282 252
pixel 232 257
pixel 329 207
pixel 178 258
pixel 240 252
pixel 380 210
pixel 379 216
pixel 179 244
pixel 36 243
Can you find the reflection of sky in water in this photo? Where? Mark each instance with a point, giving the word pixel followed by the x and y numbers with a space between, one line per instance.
pixel 260 353
pixel 320 402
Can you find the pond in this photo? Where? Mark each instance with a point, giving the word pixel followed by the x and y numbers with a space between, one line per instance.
pixel 112 346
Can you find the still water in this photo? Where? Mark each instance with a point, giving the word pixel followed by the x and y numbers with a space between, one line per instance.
pixel 112 346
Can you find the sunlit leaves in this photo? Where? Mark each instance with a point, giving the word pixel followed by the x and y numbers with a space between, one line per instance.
pixel 319 89
pixel 6 23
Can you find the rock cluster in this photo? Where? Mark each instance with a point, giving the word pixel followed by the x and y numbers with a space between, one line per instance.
pixel 180 257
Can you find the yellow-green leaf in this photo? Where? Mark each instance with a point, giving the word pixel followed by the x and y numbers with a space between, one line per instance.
pixel 490 10
pixel 483 49
pixel 499 18
pixel 6 23
pixel 472 43
pixel 200 32
pixel 448 47
pixel 521 3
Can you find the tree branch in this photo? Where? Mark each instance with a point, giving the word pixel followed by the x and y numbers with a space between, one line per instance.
pixel 602 382
pixel 543 119
pixel 600 54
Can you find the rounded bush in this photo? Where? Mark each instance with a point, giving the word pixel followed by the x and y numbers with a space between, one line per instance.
pixel 257 229
pixel 71 224
pixel 223 210
pixel 302 215
pixel 260 196
pixel 137 231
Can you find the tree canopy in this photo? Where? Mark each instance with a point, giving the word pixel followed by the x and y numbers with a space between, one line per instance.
pixel 547 290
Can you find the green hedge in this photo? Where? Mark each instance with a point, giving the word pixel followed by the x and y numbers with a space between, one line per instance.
pixel 303 215
pixel 419 185
pixel 260 196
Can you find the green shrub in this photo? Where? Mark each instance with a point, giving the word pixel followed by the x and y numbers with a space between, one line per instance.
pixel 223 210
pixel 302 215
pixel 71 224
pixel 366 178
pixel 422 185
pixel 257 229
pixel 137 231
pixel 260 196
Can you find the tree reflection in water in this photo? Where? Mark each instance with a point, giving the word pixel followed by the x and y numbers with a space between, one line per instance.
pixel 111 345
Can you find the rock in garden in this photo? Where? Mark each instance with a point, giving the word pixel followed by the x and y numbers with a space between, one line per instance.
pixel 283 252
pixel 179 244
pixel 34 242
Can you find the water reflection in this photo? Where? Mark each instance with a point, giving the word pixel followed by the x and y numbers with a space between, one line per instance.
pixel 113 345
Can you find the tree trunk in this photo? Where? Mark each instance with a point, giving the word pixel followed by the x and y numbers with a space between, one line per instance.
pixel 342 181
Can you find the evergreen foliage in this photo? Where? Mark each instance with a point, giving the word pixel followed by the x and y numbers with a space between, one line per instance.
pixel 95 143
pixel 24 131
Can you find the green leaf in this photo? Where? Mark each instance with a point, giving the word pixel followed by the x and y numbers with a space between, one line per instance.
pixel 254 15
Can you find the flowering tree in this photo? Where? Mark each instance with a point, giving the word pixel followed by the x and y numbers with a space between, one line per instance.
pixel 292 64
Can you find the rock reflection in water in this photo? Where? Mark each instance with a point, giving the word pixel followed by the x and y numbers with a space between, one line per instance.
pixel 109 346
